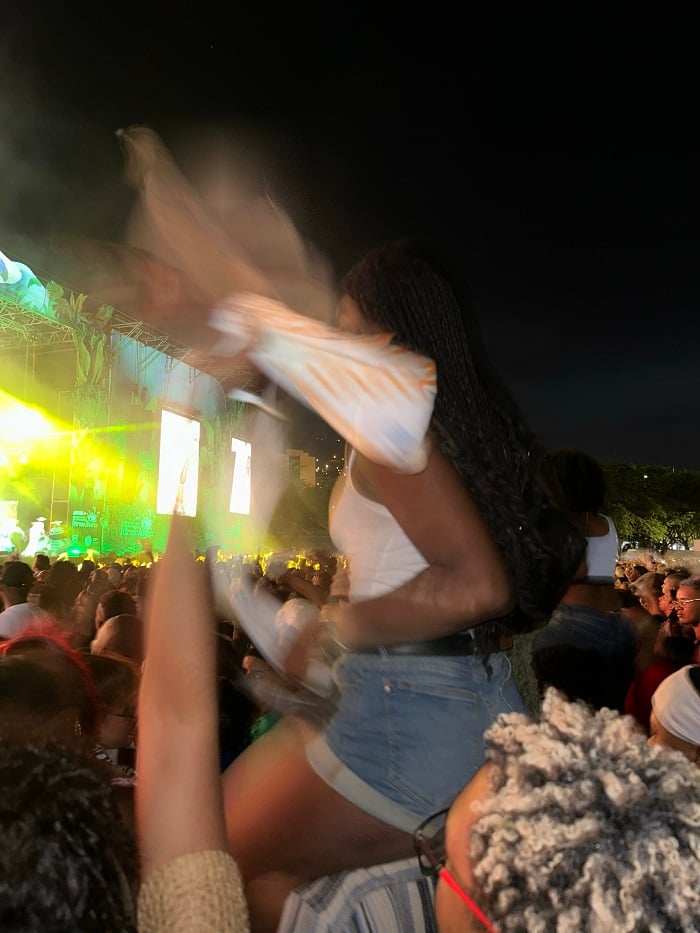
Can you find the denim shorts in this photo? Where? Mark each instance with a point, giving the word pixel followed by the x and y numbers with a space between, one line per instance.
pixel 408 734
pixel 608 633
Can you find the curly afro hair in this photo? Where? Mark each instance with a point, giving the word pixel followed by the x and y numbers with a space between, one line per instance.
pixel 588 827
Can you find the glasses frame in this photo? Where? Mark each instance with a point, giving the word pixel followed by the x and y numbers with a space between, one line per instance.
pixel 430 864
pixel 433 866
pixel 686 600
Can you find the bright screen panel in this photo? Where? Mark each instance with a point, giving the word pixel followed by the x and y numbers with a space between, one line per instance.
pixel 178 467
pixel 240 484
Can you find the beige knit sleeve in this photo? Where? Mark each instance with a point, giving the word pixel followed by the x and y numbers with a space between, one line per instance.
pixel 201 892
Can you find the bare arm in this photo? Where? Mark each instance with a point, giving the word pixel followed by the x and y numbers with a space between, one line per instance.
pixel 295 581
pixel 466 581
pixel 179 806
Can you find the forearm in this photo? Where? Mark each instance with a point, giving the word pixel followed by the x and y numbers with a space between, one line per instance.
pixel 179 805
pixel 295 581
pixel 434 604
pixel 179 678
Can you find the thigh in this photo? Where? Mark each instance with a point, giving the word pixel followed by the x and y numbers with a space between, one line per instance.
pixel 283 818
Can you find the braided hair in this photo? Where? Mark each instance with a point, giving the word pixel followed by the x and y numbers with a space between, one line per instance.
pixel 409 290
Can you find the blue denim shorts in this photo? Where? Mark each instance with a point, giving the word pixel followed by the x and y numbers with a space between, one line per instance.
pixel 408 734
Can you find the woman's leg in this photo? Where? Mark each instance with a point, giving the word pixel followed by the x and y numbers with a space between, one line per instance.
pixel 286 825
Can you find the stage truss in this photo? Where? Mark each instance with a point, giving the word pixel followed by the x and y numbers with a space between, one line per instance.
pixel 22 329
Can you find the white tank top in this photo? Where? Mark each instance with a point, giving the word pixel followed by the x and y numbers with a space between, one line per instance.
pixel 381 556
pixel 601 553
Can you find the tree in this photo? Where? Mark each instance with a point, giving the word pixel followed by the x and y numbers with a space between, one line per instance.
pixel 655 506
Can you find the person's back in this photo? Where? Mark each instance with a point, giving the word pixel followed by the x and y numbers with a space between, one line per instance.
pixel 114 574
pixel 575 482
pixel 603 547
pixel 63 575
pixel 42 562
pixel 47 694
pixel 45 597
pixel 113 603
pixel 85 570
pixel 45 690
pixel 121 634
pixel 588 639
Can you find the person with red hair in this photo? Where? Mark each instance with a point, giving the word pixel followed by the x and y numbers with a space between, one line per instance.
pixel 52 694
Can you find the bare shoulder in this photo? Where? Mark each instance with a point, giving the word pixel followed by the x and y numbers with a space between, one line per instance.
pixel 383 484
pixel 597 525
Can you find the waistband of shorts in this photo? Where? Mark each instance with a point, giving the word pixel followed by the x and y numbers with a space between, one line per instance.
pixel 458 645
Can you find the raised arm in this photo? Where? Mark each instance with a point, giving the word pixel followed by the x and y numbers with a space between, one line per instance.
pixel 466 580
pixel 179 804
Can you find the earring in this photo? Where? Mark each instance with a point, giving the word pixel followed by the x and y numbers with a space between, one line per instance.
pixel 77 728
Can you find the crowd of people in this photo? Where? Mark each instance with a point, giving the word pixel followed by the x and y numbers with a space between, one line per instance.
pixel 474 683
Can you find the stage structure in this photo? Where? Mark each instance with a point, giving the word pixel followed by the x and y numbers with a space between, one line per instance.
pixel 84 394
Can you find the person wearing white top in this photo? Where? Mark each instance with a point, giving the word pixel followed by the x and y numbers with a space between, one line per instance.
pixel 17 579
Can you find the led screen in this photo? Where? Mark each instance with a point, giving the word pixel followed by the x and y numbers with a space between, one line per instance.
pixel 240 484
pixel 178 468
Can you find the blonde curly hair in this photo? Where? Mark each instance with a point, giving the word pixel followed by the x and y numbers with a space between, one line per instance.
pixel 588 827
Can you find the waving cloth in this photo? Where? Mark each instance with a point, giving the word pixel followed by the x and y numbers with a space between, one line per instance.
pixel 220 237
pixel 376 395
pixel 253 268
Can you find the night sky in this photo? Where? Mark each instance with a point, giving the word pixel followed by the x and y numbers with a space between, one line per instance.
pixel 556 158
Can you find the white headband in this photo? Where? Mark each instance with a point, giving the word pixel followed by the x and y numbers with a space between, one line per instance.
pixel 676 703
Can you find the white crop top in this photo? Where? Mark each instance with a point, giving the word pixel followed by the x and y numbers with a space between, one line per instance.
pixel 602 552
pixel 381 555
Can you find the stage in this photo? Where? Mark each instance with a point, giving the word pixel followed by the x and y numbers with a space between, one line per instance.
pixel 84 390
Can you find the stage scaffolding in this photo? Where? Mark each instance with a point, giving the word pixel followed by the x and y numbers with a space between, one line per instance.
pixel 27 334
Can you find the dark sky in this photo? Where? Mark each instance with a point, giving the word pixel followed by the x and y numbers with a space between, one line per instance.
pixel 556 158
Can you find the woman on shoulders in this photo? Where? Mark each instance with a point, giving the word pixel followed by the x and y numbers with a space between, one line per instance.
pixel 445 565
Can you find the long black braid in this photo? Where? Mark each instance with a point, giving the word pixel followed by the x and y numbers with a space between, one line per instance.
pixel 410 291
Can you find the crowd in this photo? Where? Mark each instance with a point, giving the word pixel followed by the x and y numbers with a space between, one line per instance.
pixel 474 715
pixel 69 690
